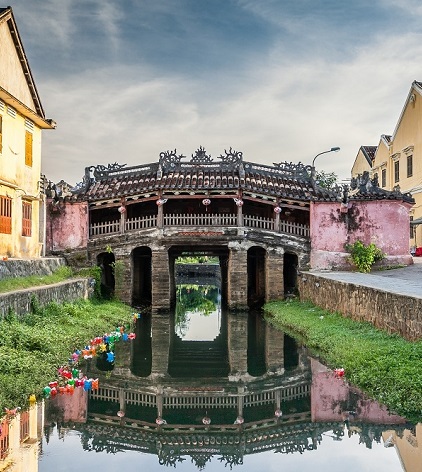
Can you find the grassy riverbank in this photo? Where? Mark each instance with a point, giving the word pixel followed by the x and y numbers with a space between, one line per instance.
pixel 386 367
pixel 32 347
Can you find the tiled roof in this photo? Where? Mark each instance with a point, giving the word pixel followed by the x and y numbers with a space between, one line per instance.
pixel 369 153
pixel 232 176
pixel 290 181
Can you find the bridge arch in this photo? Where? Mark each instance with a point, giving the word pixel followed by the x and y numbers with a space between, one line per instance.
pixel 141 268
pixel 105 260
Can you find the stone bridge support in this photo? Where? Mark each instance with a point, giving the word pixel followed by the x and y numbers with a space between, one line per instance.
pixel 237 337
pixel 160 335
pixel 274 279
pixel 123 278
pixel 160 279
pixel 237 278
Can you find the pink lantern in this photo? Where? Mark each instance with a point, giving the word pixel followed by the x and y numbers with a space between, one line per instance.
pixel 238 201
pixel 277 210
pixel 121 209
pixel 206 201
pixel 161 201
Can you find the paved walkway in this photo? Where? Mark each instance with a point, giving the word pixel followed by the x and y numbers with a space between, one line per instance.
pixel 406 281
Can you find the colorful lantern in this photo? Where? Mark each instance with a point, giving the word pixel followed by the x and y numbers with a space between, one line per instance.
pixel 131 335
pixel 110 357
pixel 161 201
pixel 238 201
pixel 206 201
pixel 277 210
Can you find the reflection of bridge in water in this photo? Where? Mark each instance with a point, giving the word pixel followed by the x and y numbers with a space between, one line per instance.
pixel 287 405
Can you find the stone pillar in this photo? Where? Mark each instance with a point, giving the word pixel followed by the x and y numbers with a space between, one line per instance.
pixel 274 275
pixel 237 280
pixel 160 279
pixel 274 349
pixel 160 338
pixel 123 278
pixel 237 337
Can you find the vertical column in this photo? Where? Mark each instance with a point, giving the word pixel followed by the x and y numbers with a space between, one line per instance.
pixel 160 334
pixel 160 279
pixel 123 278
pixel 274 349
pixel 274 275
pixel 237 337
pixel 237 280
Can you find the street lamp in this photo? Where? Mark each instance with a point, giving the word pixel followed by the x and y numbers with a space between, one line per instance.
pixel 313 172
pixel 333 149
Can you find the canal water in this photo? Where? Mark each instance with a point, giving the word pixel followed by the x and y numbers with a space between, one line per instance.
pixel 207 389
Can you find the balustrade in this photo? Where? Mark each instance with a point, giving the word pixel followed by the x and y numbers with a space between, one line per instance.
pixel 202 220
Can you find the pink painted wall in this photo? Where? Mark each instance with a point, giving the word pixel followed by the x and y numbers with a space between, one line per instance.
pixel 384 222
pixel 333 398
pixel 67 226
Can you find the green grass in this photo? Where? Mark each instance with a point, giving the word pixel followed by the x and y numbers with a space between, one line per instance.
pixel 17 283
pixel 385 367
pixel 33 347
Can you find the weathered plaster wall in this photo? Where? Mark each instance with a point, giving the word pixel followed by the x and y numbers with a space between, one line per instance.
pixel 19 301
pixel 384 222
pixel 394 313
pixel 67 226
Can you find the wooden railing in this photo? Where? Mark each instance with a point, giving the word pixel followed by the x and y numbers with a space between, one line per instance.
pixel 210 220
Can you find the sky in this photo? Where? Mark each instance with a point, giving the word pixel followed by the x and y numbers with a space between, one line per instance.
pixel 279 80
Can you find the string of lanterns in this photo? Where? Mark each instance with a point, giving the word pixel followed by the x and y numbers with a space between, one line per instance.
pixel 71 377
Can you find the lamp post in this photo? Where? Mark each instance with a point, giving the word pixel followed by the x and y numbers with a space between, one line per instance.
pixel 333 149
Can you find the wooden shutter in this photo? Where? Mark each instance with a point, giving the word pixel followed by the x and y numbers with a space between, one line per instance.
pixel 28 148
pixel 5 215
pixel 26 219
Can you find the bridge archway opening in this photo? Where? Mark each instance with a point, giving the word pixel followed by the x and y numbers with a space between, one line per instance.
pixel 290 273
pixel 105 261
pixel 141 276
pixel 256 275
pixel 207 255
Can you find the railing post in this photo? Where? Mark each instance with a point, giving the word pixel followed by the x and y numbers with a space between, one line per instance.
pixel 160 217
pixel 277 223
pixel 122 221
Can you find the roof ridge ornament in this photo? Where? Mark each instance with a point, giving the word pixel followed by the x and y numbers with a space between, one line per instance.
pixel 201 157
pixel 298 170
pixel 169 160
pixel 232 158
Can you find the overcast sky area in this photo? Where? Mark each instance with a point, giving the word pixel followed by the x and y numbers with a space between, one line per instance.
pixel 279 80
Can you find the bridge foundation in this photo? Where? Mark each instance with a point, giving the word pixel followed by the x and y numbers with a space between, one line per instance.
pixel 274 278
pixel 237 280
pixel 160 279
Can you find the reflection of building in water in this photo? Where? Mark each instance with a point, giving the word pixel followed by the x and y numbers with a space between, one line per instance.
pixel 19 434
pixel 285 406
pixel 408 444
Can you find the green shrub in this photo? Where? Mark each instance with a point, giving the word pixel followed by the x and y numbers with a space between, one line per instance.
pixel 364 257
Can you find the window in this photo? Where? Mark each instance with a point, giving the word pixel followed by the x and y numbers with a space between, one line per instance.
pixel 396 171
pixel 5 215
pixel 28 148
pixel 375 178
pixel 410 165
pixel 383 177
pixel 26 219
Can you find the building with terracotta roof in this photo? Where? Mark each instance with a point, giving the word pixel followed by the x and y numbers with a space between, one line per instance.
pixel 22 120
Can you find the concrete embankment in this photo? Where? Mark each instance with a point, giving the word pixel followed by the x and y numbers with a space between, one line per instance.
pixel 390 300
pixel 21 301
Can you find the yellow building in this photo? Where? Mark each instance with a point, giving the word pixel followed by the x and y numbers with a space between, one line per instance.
pixel 397 161
pixel 364 160
pixel 21 121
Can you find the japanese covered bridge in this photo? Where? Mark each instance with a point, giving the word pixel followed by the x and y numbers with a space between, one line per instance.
pixel 136 221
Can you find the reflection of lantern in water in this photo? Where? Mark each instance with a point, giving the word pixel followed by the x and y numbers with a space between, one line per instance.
pixel 206 420
pixel 120 413
pixel 239 420
pixel 278 413
pixel 160 421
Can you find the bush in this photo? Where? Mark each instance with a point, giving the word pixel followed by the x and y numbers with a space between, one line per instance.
pixel 364 257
